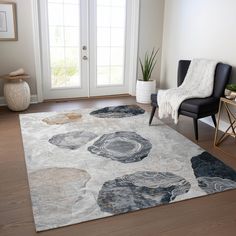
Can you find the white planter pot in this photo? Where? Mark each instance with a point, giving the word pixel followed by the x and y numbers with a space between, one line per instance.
pixel 144 89
pixel 227 92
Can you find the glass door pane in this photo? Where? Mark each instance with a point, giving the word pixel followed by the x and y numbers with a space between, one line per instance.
pixel 111 29
pixel 64 42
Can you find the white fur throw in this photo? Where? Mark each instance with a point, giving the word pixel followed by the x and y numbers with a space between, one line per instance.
pixel 198 83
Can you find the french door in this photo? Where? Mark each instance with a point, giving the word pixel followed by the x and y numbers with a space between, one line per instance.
pixel 84 47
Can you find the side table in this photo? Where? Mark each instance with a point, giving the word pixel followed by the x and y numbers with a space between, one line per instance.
pixel 16 92
pixel 231 130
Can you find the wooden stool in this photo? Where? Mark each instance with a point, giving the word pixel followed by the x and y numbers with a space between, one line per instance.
pixel 16 92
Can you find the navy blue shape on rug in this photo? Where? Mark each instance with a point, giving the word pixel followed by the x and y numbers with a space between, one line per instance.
pixel 212 174
pixel 118 111
pixel 140 190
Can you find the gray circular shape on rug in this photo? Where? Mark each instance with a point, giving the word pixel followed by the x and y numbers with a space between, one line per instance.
pixel 215 184
pixel 122 146
pixel 72 140
pixel 140 190
pixel 118 111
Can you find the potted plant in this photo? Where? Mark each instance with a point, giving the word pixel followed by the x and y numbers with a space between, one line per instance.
pixel 146 86
pixel 230 91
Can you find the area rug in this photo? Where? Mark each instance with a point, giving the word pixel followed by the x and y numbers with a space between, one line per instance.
pixel 88 164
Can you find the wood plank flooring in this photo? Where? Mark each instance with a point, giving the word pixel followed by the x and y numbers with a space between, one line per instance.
pixel 211 215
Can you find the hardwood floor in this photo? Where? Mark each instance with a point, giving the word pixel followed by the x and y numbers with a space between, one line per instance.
pixel 211 215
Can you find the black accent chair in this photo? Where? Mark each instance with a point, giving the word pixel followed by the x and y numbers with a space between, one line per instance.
pixel 198 108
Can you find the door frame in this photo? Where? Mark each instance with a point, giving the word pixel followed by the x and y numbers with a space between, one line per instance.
pixel 132 52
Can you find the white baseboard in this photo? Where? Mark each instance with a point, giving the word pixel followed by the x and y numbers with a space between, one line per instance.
pixel 223 125
pixel 33 100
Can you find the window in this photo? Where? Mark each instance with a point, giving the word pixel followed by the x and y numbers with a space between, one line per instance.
pixel 111 26
pixel 64 35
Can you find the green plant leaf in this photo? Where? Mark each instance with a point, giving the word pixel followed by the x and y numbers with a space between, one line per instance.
pixel 148 64
pixel 231 87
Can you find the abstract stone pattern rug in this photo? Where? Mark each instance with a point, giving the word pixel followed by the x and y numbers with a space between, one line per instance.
pixel 88 164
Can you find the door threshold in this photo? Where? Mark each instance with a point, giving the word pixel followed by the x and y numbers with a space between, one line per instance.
pixel 86 98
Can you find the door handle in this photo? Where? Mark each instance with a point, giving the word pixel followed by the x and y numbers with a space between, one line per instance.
pixel 84 48
pixel 85 58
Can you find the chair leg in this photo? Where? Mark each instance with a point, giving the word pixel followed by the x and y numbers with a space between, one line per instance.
pixel 152 114
pixel 195 123
pixel 214 119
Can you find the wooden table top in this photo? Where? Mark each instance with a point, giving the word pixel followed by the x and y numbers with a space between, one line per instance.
pixel 232 102
pixel 18 77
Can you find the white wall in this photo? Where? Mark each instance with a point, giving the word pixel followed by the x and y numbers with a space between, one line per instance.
pixel 197 29
pixel 16 54
pixel 151 30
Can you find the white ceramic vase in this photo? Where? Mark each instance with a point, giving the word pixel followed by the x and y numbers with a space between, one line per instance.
pixel 227 92
pixel 144 89
pixel 17 95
